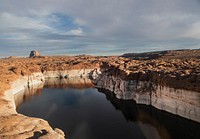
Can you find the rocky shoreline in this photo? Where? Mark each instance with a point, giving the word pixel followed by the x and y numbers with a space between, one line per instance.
pixel 15 73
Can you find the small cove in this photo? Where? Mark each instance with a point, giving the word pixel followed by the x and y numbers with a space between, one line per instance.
pixel 85 112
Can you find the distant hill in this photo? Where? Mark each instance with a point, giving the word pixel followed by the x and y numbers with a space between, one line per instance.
pixel 183 53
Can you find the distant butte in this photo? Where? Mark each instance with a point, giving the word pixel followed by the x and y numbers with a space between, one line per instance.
pixel 34 54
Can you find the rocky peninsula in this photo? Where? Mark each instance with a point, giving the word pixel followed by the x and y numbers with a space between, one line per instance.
pixel 169 74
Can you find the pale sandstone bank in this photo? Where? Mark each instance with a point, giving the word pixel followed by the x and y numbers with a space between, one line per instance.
pixel 16 73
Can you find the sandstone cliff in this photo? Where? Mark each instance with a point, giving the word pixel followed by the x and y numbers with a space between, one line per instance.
pixel 177 73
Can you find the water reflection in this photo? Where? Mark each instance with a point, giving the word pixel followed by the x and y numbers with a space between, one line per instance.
pixel 78 83
pixel 169 126
pixel 28 93
pixel 83 113
pixel 180 102
pixel 36 89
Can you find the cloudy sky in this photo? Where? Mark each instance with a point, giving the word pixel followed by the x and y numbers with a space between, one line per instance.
pixel 98 27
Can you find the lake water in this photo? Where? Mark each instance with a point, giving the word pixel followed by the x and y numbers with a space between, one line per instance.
pixel 84 112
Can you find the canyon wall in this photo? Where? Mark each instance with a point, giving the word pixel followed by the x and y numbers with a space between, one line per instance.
pixel 180 102
pixel 177 101
pixel 14 125
pixel 29 83
pixel 93 73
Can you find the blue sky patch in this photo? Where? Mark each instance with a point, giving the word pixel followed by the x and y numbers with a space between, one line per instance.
pixel 62 22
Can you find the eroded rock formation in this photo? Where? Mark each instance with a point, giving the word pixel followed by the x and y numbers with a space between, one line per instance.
pixel 34 53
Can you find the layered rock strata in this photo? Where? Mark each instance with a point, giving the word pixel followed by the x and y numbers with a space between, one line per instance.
pixel 177 101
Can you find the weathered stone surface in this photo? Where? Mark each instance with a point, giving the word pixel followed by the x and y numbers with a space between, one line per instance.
pixel 22 127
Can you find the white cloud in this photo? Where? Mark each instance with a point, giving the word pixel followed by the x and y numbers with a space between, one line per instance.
pixel 77 32
pixel 193 31
pixel 9 20
pixel 80 22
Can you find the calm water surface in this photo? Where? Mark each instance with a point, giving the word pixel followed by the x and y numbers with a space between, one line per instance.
pixel 84 112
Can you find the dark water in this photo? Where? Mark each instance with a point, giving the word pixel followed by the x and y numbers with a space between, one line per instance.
pixel 89 113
